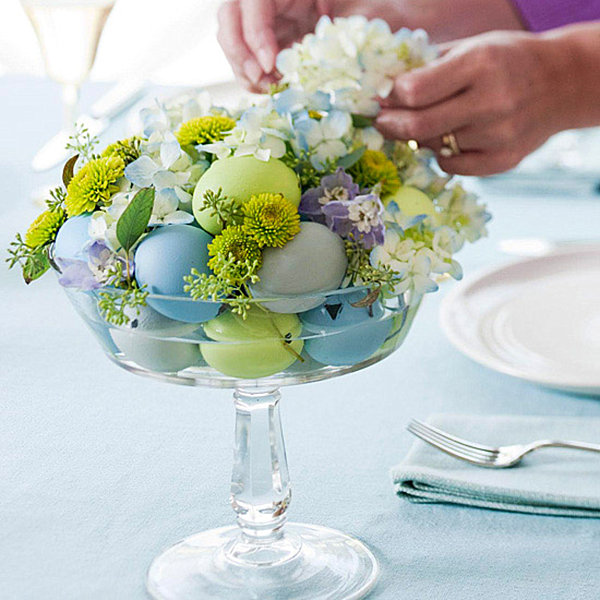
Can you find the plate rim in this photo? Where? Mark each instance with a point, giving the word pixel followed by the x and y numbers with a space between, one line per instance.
pixel 450 301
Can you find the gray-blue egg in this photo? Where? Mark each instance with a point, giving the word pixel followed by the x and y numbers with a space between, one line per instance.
pixel 314 261
pixel 72 237
pixel 162 260
pixel 156 355
pixel 343 334
pixel 148 321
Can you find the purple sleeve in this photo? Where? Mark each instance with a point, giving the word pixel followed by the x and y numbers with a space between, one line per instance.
pixel 540 15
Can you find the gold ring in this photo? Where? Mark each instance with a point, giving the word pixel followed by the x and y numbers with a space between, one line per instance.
pixel 450 145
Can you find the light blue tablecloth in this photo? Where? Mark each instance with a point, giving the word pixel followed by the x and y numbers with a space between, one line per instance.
pixel 100 470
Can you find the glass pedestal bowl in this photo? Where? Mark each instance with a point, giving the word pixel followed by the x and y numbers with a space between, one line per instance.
pixel 263 557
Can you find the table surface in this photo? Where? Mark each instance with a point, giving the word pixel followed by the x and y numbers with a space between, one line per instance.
pixel 101 470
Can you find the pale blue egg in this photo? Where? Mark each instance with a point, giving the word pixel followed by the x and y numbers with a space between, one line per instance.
pixel 162 260
pixel 344 334
pixel 72 237
pixel 150 353
pixel 314 261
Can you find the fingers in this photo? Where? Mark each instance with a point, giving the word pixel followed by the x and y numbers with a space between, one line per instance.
pixel 231 39
pixel 480 163
pixel 258 21
pixel 496 135
pixel 441 79
pixel 432 122
pixel 445 47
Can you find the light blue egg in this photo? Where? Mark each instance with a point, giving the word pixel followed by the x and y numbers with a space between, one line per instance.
pixel 163 258
pixel 72 237
pixel 344 334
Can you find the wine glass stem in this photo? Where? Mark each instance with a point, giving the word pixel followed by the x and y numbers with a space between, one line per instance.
pixel 260 484
pixel 70 97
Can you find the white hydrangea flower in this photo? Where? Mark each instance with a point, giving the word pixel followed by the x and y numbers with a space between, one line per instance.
pixel 170 115
pixel 261 132
pixel 411 260
pixel 462 212
pixel 326 139
pixel 166 167
pixel 369 137
pixel 103 223
pixel 353 59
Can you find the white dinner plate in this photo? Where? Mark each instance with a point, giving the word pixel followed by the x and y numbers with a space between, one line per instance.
pixel 536 319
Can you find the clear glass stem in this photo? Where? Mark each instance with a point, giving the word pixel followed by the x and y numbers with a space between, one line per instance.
pixel 260 483
pixel 70 98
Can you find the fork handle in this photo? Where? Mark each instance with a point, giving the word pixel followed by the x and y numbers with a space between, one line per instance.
pixel 567 444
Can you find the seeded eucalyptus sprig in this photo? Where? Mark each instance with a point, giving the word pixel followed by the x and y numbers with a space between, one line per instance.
pixel 226 209
pixel 112 305
pixel 57 198
pixel 229 287
pixel 33 261
pixel 361 272
pixel 83 143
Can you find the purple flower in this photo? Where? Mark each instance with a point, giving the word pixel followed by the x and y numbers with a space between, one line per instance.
pixel 103 262
pixel 336 187
pixel 95 272
pixel 76 274
pixel 360 218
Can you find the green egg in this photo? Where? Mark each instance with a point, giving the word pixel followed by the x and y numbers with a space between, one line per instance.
pixel 412 201
pixel 262 349
pixel 239 178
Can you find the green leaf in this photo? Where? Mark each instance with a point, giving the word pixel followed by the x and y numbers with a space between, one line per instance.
pixel 361 121
pixel 347 161
pixel 35 266
pixel 69 169
pixel 134 220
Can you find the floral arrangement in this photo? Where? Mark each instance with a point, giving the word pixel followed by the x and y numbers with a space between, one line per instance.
pixel 243 185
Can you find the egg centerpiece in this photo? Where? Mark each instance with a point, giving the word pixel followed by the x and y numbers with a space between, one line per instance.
pixel 239 178
pixel 162 260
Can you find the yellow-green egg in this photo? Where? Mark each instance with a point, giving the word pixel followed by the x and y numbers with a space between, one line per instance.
pixel 261 349
pixel 239 178
pixel 412 201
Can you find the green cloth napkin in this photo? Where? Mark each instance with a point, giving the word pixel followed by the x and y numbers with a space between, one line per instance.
pixel 550 481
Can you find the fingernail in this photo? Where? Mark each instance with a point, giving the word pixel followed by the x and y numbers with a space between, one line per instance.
pixel 265 58
pixel 252 70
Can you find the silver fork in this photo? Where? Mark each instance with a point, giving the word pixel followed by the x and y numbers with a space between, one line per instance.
pixel 486 456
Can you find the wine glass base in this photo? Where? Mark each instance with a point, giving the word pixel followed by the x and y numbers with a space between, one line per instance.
pixel 330 565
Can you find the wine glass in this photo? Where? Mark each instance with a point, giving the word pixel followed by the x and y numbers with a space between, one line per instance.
pixel 263 556
pixel 68 33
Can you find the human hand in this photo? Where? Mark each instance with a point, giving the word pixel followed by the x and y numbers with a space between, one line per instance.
pixel 251 33
pixel 502 95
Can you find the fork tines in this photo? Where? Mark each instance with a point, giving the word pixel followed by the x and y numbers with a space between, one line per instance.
pixel 451 444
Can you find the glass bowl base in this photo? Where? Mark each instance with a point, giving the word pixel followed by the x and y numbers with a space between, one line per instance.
pixel 329 565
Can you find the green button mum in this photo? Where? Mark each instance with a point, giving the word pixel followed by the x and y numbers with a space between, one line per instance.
pixel 233 244
pixel 43 230
pixel 204 130
pixel 128 149
pixel 94 184
pixel 374 168
pixel 271 219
